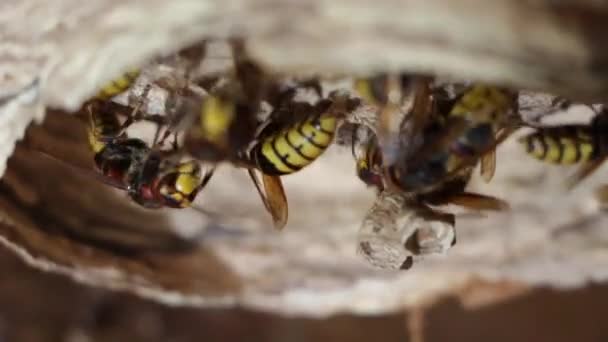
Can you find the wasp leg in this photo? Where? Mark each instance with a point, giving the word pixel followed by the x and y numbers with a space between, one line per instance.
pixel 242 162
pixel 158 140
pixel 174 144
pixel 583 172
pixel 256 183
pixel 488 160
pixel 314 85
pixel 206 178
pixel 135 114
pixel 354 139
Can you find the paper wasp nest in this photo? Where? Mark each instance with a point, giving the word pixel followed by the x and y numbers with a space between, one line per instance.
pixel 56 54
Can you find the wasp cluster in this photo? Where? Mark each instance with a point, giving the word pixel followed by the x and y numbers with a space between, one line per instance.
pixel 414 139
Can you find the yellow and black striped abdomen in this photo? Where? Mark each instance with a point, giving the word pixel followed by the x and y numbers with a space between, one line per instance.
pixel 372 90
pixel 296 147
pixel 117 85
pixel 102 125
pixel 563 145
pixel 483 103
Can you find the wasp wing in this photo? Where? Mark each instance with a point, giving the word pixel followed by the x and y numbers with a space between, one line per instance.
pixel 394 122
pixel 273 197
pixel 487 170
pixel 477 201
pixel 277 200
pixel 488 160
pixel 488 166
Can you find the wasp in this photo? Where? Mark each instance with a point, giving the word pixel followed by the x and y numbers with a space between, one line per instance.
pixel 226 120
pixel 585 144
pixel 286 148
pixel 455 140
pixel 221 125
pixel 147 173
pixel 226 128
pixel 118 85
pixel 439 136
pixel 369 169
pixel 226 125
pixel 294 136
pixel 389 93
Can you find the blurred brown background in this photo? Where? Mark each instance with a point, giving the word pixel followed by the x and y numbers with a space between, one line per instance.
pixel 35 306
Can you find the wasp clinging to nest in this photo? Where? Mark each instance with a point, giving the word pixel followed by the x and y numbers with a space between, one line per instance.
pixel 444 137
pixel 149 175
pixel 443 183
pixel 287 143
pixel 571 144
pixel 369 169
pixel 225 127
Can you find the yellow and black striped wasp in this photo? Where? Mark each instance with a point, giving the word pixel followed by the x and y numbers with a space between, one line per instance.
pixel 118 85
pixel 571 144
pixel 148 174
pixel 389 93
pixel 226 128
pixel 369 169
pixel 444 137
pixel 221 125
pixel 293 137
pixel 287 147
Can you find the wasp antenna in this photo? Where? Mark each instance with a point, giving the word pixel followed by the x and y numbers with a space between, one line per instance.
pixel 208 213
pixel 353 140
pixel 81 170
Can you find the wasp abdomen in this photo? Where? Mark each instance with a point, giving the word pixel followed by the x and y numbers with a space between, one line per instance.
pixel 296 147
pixel 179 186
pixel 102 125
pixel 483 104
pixel 118 85
pixel 561 145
